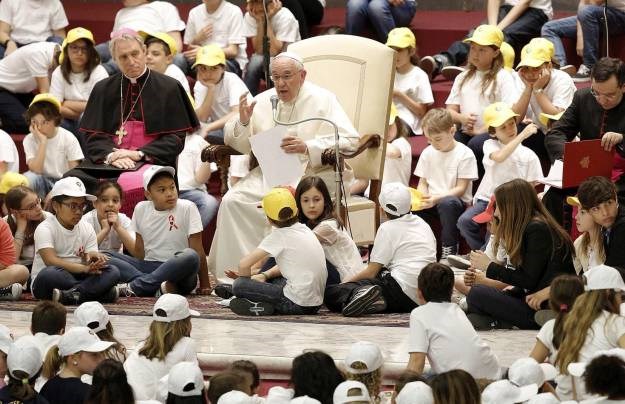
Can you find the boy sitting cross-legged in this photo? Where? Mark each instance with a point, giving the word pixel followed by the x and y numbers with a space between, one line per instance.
pixel 168 247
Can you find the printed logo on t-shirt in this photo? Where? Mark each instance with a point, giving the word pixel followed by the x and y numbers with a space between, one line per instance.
pixel 172 223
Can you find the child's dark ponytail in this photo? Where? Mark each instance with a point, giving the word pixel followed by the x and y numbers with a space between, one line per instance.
pixel 21 387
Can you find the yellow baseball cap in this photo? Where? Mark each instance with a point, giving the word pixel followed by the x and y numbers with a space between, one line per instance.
pixel 10 180
pixel 573 201
pixel 210 55
pixel 72 36
pixel 507 52
pixel 544 118
pixel 401 38
pixel 497 114
pixel 46 97
pixel 163 36
pixel 276 200
pixel 415 199
pixel 536 53
pixel 486 35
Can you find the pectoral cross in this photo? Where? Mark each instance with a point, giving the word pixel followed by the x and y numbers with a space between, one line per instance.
pixel 121 132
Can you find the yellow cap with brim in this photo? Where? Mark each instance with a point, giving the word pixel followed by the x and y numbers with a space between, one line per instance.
pixel 46 97
pixel 534 55
pixel 507 52
pixel 401 38
pixel 573 201
pixel 486 35
pixel 276 200
pixel 163 36
pixel 415 199
pixel 72 36
pixel 392 114
pixel 10 180
pixel 545 118
pixel 210 55
pixel 497 114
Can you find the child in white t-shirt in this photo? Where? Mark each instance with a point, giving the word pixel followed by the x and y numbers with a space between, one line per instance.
pixel 50 150
pixel 168 240
pixel 9 157
pixel 73 80
pixel 113 229
pixel 283 28
pixel 403 245
pixel 168 343
pixel 217 22
pixel 412 93
pixel 446 171
pixel 68 268
pixel 161 50
pixel 505 159
pixel 300 274
pixel 217 92
pixel 449 344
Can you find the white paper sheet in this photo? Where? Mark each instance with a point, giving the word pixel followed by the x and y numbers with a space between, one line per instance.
pixel 554 178
pixel 278 167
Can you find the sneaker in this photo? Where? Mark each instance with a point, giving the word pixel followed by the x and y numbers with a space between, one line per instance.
pixel 110 296
pixel 11 292
pixel 569 69
pixel 448 250
pixel 362 299
pixel 429 65
pixel 379 306
pixel 124 290
pixel 450 72
pixel 582 75
pixel 245 307
pixel 458 261
pixel 70 297
pixel 224 290
pixel 542 316
pixel 482 322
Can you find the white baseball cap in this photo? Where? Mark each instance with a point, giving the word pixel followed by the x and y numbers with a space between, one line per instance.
pixel 395 198
pixel 526 371
pixel 415 393
pixel 70 186
pixel 305 400
pixel 578 368
pixel 152 171
pixel 604 277
pixel 6 338
pixel 235 397
pixel 543 398
pixel 186 380
pixel 504 392
pixel 81 339
pixel 279 395
pixel 26 356
pixel 365 352
pixel 176 307
pixel 92 315
pixel 350 391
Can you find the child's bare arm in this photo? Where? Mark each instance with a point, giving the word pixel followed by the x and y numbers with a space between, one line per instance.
pixel 139 251
pixel 195 242
pixel 370 272
pixel 505 152
pixel 49 257
pixel 245 265
pixel 416 363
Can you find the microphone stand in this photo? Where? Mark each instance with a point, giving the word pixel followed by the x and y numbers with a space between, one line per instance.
pixel 266 51
pixel 338 169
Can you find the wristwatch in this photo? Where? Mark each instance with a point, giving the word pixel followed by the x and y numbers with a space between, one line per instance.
pixel 141 155
pixel 539 90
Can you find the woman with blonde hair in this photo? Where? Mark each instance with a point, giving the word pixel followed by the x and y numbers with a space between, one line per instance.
pixel 455 386
pixel 363 364
pixel 538 251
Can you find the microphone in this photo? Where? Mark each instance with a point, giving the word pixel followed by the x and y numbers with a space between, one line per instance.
pixel 274 105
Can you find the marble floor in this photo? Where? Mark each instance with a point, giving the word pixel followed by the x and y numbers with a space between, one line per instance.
pixel 272 345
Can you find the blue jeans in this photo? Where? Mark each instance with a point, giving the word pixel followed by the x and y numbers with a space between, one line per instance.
pixel 270 292
pixel 448 210
pixel 90 287
pixel 470 230
pixel 145 277
pixel 555 30
pixel 593 23
pixel 41 184
pixel 254 73
pixel 380 13
pixel 334 277
pixel 206 203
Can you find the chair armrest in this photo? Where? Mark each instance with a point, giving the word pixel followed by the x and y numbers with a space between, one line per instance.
pixel 370 141
pixel 220 155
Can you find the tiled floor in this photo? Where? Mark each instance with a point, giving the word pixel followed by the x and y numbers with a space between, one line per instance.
pixel 273 345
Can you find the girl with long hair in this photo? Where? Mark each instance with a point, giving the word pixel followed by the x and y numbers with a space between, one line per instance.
pixel 538 250
pixel 110 384
pixel 95 316
pixel 455 386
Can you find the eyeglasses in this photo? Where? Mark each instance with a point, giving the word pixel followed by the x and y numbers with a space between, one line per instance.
pixel 286 77
pixel 75 207
pixel 608 97
pixel 33 206
pixel 77 49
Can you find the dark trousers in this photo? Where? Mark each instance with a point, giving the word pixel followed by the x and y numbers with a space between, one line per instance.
pixel 448 211
pixel 306 12
pixel 12 108
pixel 517 34
pixel 337 296
pixel 90 287
pixel 505 306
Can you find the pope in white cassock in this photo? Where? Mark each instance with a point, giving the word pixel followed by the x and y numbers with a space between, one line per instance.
pixel 241 225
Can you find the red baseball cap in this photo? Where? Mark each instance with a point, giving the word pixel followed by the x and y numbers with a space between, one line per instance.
pixel 487 215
